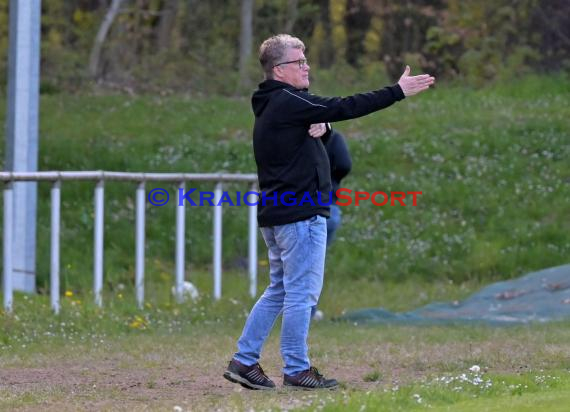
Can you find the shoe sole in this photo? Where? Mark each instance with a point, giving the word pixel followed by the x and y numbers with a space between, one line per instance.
pixel 305 388
pixel 235 378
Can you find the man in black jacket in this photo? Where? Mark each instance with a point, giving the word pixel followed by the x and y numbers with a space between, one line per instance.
pixel 294 178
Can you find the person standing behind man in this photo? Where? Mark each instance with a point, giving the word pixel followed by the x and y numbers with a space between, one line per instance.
pixel 294 179
pixel 340 164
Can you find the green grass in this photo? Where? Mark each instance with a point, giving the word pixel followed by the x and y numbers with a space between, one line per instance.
pixel 464 392
pixel 491 163
pixel 81 319
pixel 167 354
pixel 88 358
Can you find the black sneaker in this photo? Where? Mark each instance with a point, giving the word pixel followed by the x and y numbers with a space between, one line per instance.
pixel 250 377
pixel 309 379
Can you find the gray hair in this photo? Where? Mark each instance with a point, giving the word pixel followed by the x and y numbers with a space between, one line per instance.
pixel 274 48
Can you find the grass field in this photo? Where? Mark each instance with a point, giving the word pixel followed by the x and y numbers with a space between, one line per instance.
pixel 491 163
pixel 380 368
pixel 494 171
pixel 168 355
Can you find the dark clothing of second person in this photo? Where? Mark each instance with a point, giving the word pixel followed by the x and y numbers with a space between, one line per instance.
pixel 339 160
pixel 288 158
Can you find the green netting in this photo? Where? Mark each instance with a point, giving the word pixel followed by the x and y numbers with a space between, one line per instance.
pixel 537 297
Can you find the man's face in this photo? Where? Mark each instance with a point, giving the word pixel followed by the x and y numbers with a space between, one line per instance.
pixel 291 73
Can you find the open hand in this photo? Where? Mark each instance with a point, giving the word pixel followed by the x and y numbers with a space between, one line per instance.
pixel 414 84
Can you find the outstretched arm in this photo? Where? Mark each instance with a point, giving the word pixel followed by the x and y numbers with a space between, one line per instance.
pixel 300 107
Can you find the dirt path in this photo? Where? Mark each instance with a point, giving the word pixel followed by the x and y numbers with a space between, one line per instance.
pixel 104 385
pixel 151 372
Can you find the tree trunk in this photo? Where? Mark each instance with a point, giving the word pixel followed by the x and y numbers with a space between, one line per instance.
pixel 292 14
pixel 95 57
pixel 245 40
pixel 166 24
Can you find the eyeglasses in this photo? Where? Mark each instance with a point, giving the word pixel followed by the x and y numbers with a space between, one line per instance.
pixel 300 62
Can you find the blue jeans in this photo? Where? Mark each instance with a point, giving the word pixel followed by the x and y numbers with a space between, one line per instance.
pixel 296 269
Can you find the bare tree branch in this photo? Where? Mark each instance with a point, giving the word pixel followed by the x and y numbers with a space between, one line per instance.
pixel 166 23
pixel 292 14
pixel 95 56
pixel 246 39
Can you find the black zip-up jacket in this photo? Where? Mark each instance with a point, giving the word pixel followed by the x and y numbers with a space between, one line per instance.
pixel 288 158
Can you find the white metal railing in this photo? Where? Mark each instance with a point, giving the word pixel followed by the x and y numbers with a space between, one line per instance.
pixel 141 178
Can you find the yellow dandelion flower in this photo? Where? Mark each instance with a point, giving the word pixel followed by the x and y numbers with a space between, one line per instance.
pixel 135 324
pixel 68 293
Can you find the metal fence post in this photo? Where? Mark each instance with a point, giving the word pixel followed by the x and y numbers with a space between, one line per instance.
pixel 54 252
pixel 21 148
pixel 217 242
pixel 7 278
pixel 98 246
pixel 140 244
pixel 180 243
pixel 252 249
